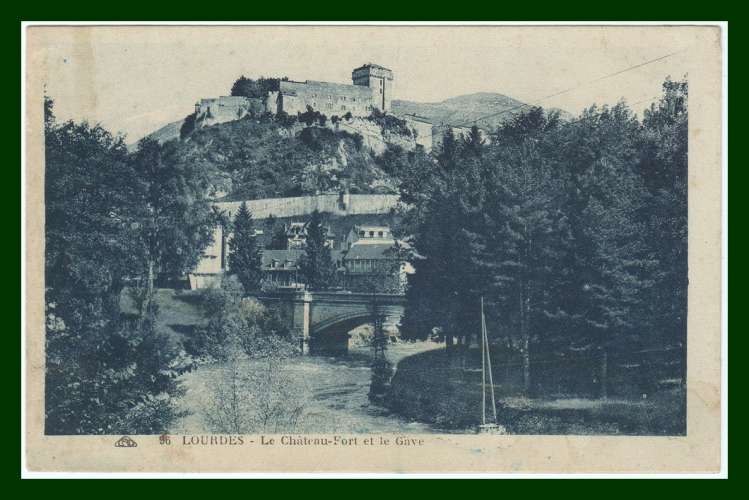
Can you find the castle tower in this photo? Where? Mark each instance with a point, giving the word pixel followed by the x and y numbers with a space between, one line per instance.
pixel 380 80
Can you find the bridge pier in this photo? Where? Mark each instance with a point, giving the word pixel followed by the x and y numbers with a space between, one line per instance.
pixel 306 304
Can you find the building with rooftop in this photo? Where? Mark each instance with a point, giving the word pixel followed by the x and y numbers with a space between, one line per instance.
pixel 280 268
pixel 372 89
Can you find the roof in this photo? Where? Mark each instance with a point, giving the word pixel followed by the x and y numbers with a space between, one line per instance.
pixel 291 88
pixel 292 255
pixel 371 65
pixel 366 227
pixel 372 251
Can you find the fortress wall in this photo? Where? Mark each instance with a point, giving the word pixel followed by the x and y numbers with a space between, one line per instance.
pixel 208 271
pixel 226 108
pixel 353 204
pixel 423 132
pixel 327 98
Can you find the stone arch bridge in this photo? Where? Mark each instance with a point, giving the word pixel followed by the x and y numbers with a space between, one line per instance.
pixel 322 320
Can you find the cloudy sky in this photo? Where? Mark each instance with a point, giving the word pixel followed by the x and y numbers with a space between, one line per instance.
pixel 135 79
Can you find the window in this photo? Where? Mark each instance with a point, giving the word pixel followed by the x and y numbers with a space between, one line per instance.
pixel 379 234
pixel 371 234
pixel 362 233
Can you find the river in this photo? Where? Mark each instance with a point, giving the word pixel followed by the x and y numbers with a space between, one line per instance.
pixel 335 394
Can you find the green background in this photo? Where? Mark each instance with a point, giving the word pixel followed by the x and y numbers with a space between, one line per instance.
pixel 136 10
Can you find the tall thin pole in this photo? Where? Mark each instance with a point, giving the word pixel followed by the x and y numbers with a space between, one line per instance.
pixel 483 366
pixel 488 360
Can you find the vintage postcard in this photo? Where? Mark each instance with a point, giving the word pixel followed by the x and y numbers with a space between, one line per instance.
pixel 395 249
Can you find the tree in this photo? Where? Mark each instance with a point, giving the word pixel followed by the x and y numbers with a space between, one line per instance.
pixel 316 265
pixel 174 219
pixel 663 168
pixel 188 126
pixel 518 248
pixel 104 373
pixel 474 142
pixel 449 151
pixel 251 390
pixel 247 87
pixel 244 251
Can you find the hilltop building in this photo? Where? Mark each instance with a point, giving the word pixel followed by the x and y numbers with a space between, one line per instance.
pixel 372 89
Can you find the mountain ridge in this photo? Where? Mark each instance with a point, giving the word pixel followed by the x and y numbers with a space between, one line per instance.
pixel 488 110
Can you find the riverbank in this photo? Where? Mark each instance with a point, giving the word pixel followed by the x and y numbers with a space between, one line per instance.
pixel 445 391
pixel 331 391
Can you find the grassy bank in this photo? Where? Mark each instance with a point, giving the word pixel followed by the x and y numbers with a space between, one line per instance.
pixel 445 390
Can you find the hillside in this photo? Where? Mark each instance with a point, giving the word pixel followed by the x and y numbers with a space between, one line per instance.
pixel 166 133
pixel 261 157
pixel 464 109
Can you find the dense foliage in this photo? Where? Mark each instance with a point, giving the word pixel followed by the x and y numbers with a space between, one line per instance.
pixel 270 156
pixel 244 251
pixel 248 87
pixel 316 266
pixel 113 220
pixel 574 232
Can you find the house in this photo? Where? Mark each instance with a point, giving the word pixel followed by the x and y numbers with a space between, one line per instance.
pixel 372 260
pixel 296 235
pixel 280 268
pixel 366 235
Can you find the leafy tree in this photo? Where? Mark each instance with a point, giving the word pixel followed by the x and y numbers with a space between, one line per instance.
pixel 560 226
pixel 188 126
pixel 175 221
pixel 663 168
pixel 244 251
pixel 252 389
pixel 474 142
pixel 316 265
pixel 104 373
pixel 247 87
pixel 449 150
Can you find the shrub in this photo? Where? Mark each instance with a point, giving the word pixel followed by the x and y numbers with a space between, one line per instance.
pixel 358 141
pixel 243 321
pixel 390 123
pixel 285 119
pixel 188 126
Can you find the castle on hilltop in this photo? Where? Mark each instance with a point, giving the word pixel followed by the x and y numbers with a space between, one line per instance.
pixel 372 88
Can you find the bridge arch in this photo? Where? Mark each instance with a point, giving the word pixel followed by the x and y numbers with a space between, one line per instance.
pixel 322 320
pixel 331 335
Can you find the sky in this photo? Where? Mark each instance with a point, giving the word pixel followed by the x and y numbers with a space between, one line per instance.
pixel 133 80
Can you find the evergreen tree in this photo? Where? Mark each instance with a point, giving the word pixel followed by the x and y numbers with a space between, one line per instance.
pixel 521 246
pixel 244 252
pixel 473 143
pixel 663 168
pixel 450 150
pixel 316 265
